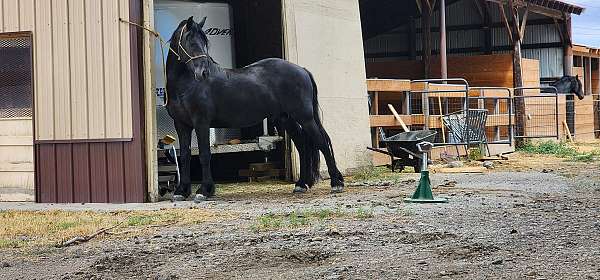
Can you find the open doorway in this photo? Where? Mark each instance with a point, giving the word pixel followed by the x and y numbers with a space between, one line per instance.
pixel 240 32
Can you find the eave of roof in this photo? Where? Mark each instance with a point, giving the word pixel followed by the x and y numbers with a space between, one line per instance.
pixel 558 5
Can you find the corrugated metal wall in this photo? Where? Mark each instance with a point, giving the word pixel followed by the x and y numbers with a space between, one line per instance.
pixel 102 170
pixel 87 98
pixel 83 83
pixel 465 13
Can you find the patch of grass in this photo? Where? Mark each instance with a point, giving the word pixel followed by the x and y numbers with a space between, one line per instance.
pixel 364 214
pixel 559 149
pixel 20 229
pixel 294 219
pixel 11 243
pixel 369 172
pixel 475 153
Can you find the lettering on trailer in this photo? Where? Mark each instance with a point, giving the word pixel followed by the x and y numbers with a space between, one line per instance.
pixel 214 31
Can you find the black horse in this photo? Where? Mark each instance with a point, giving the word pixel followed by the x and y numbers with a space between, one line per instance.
pixel 201 95
pixel 569 84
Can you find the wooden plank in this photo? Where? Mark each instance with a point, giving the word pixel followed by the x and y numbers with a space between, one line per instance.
pixel 98 172
pixel 95 69
pixel 112 83
pixel 434 122
pixel 10 15
pixel 388 85
pixel 125 75
pixel 16 141
pixel 44 85
pixel 81 173
pixel 60 64
pixel 459 170
pixel 115 172
pixel 64 173
pixel 79 94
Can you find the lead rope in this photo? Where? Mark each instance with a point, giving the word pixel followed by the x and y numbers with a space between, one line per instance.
pixel 162 52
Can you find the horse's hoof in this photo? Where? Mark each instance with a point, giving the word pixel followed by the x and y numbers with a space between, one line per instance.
pixel 178 197
pixel 300 189
pixel 199 198
pixel 337 189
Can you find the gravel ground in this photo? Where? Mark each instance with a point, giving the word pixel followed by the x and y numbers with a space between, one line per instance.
pixel 497 225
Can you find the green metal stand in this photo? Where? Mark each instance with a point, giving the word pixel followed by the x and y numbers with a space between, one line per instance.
pixel 423 193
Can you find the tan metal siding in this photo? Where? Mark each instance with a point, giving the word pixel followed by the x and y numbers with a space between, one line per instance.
pixel 82 66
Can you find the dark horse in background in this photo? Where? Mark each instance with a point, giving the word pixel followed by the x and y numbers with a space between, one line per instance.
pixel 202 95
pixel 568 84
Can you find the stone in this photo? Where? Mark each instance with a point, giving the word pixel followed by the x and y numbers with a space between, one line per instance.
pixel 497 262
pixel 455 164
pixel 488 164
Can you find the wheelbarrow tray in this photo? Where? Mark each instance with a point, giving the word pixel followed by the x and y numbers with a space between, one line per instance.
pixel 404 147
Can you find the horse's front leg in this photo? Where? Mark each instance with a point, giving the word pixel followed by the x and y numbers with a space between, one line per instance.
pixel 208 186
pixel 184 189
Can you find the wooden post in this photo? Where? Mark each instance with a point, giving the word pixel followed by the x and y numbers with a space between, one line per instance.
pixel 517 70
pixel 426 36
pixel 588 74
pixel 443 60
pixel 567 46
pixel 487 29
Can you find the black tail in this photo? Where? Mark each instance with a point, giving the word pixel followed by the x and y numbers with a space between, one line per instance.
pixel 314 156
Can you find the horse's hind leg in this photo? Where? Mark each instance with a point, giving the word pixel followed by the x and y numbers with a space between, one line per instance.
pixel 207 188
pixel 321 140
pixel 184 189
pixel 295 132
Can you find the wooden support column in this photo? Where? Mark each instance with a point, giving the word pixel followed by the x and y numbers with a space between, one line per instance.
pixel 443 58
pixel 567 46
pixel 515 31
pixel 587 70
pixel 426 11
pixel 487 28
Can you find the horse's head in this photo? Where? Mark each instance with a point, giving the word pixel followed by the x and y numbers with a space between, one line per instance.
pixel 569 84
pixel 191 44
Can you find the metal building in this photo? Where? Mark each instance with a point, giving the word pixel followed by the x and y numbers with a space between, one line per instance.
pixel 78 102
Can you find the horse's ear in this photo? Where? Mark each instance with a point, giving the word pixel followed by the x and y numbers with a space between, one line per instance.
pixel 202 22
pixel 190 23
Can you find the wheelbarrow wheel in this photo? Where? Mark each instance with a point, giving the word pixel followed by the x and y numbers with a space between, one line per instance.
pixel 397 166
pixel 418 166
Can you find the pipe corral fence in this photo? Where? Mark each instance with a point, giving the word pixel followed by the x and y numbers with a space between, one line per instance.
pixel 428 104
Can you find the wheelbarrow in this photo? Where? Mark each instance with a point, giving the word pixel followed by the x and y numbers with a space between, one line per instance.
pixel 402 148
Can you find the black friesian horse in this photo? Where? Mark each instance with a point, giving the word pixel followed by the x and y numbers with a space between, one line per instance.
pixel 202 95
pixel 569 84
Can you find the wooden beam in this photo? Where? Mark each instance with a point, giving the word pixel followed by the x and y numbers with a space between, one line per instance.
pixel 567 46
pixel 524 23
pixel 505 21
pixel 487 30
pixel 545 11
pixel 517 72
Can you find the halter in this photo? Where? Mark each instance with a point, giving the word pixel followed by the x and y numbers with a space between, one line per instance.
pixel 180 47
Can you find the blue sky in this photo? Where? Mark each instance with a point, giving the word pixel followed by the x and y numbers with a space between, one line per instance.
pixel 586 27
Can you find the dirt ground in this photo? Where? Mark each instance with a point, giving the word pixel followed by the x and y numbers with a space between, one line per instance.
pixel 531 217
